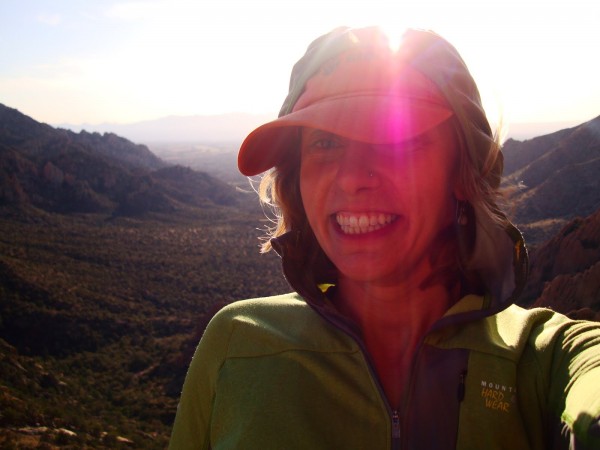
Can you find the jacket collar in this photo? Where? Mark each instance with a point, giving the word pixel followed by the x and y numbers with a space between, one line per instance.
pixel 499 257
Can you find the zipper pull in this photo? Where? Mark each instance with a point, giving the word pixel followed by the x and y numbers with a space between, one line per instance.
pixel 461 386
pixel 395 425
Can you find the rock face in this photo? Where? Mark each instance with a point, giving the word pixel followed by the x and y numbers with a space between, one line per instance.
pixel 577 295
pixel 565 271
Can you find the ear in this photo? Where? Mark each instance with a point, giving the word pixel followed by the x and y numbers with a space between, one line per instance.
pixel 459 192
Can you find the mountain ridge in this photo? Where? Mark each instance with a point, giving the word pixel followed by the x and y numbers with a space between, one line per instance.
pixel 62 171
pixel 555 178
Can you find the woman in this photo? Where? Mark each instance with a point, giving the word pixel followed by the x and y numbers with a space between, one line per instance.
pixel 401 331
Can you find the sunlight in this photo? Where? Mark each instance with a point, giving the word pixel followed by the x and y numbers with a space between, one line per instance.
pixel 170 57
pixel 394 36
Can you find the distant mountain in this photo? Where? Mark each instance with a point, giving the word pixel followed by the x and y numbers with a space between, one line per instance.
pixel 528 130
pixel 232 127
pixel 557 178
pixel 62 171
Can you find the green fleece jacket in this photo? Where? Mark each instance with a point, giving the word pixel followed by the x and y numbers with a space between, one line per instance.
pixel 275 373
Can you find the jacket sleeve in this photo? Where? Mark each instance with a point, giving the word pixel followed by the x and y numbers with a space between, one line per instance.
pixel 574 379
pixel 191 429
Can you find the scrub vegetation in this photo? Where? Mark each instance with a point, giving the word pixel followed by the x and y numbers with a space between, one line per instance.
pixel 100 316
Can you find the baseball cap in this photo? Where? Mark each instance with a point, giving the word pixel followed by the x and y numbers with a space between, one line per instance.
pixel 350 82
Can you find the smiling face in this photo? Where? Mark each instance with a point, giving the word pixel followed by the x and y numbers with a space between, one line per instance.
pixel 377 210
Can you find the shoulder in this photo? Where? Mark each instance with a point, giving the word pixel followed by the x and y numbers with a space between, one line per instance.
pixel 263 305
pixel 275 324
pixel 511 332
pixel 265 310
pixel 541 327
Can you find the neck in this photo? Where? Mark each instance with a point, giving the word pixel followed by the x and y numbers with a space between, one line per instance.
pixel 383 311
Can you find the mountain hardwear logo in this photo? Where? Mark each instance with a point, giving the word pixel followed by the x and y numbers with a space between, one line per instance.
pixel 497 396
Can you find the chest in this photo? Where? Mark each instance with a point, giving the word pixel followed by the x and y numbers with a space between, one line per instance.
pixel 299 399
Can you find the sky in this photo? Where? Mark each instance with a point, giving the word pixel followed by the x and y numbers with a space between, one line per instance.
pixel 102 61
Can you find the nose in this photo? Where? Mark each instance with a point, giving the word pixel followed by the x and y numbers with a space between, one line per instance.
pixel 357 169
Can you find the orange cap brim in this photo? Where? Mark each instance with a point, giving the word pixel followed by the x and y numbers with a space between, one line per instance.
pixel 375 121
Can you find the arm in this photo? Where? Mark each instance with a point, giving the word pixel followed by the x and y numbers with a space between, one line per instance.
pixel 575 379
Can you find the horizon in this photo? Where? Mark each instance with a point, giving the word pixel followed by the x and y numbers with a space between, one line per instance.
pixel 219 129
pixel 123 62
pixel 237 132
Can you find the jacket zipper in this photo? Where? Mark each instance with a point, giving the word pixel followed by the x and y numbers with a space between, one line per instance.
pixel 461 386
pixel 395 430
pixel 393 414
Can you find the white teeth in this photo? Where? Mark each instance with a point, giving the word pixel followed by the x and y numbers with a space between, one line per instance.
pixel 363 223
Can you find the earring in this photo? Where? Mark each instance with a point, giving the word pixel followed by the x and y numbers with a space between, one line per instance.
pixel 461 213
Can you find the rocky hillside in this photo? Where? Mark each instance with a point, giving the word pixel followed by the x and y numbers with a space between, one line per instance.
pixel 557 178
pixel 35 139
pixel 565 271
pixel 61 171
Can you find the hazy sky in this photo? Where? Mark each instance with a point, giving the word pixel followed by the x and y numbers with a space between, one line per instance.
pixel 94 61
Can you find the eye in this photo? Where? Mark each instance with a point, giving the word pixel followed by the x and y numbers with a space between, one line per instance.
pixel 322 145
pixel 323 140
pixel 326 143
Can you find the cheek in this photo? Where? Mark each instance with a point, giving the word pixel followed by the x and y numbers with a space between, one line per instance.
pixel 308 191
pixel 314 188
